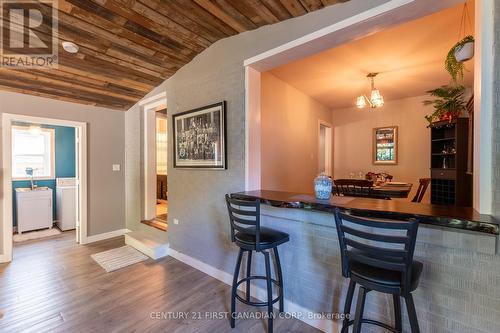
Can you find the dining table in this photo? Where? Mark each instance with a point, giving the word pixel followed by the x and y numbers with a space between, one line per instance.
pixel 388 190
pixel 391 190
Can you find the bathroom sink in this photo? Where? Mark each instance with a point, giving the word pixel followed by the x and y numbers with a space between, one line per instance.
pixel 27 189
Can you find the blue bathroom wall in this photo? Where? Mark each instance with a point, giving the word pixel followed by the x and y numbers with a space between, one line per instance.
pixel 64 161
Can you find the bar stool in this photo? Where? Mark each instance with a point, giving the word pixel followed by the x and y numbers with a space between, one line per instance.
pixel 246 232
pixel 388 269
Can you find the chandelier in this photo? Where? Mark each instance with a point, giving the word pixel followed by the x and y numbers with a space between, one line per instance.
pixel 375 101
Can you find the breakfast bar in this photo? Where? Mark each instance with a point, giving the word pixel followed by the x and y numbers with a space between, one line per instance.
pixel 455 244
pixel 453 217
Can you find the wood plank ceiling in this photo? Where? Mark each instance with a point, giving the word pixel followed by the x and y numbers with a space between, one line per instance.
pixel 128 47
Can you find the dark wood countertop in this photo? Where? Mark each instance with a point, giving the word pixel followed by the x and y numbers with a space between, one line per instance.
pixel 464 218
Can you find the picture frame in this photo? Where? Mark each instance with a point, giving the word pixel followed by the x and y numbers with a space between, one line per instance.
pixel 199 138
pixel 385 145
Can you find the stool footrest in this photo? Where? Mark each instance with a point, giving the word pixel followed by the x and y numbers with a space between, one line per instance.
pixel 369 321
pixel 258 277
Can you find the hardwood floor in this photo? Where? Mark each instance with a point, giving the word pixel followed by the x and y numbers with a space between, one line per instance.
pixel 54 286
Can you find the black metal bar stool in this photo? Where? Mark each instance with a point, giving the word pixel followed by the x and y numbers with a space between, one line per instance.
pixel 379 262
pixel 247 233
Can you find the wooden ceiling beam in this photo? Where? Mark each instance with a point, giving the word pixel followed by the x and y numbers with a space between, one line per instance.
pixel 60 75
pixel 294 7
pixel 332 2
pixel 312 5
pixel 197 13
pixel 231 10
pixel 127 10
pixel 63 85
pixel 277 9
pixel 221 15
pixel 121 30
pixel 101 67
pixel 178 14
pixel 128 47
pixel 100 32
pixel 173 27
pixel 28 85
pixel 253 9
pixel 118 80
pixel 88 48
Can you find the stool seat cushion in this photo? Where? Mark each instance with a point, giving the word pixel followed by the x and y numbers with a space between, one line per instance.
pixel 269 238
pixel 385 276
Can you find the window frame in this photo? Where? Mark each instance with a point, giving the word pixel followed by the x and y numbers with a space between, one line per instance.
pixel 51 132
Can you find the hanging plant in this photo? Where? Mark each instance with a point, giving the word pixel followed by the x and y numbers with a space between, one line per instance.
pixel 448 104
pixel 463 48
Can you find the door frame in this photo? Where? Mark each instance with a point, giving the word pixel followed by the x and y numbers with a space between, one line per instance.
pixel 81 173
pixel 148 164
pixel 328 146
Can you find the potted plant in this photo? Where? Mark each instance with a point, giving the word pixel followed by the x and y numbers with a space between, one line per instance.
pixel 460 52
pixel 448 104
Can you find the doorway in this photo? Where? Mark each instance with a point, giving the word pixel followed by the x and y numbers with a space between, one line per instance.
pixel 154 162
pixel 31 170
pixel 161 166
pixel 325 148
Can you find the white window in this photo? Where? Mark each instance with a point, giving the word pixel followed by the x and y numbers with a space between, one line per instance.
pixel 33 147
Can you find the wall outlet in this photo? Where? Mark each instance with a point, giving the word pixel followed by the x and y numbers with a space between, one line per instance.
pixel 176 221
pixel 116 167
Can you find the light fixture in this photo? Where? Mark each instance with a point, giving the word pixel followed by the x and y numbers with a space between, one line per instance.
pixel 70 47
pixel 376 100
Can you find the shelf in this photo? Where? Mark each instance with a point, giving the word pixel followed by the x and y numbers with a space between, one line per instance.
pixel 444 154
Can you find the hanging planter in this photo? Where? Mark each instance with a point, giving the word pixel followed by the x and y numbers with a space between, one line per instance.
pixel 465 51
pixel 462 51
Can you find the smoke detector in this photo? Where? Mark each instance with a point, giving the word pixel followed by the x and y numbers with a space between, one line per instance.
pixel 70 47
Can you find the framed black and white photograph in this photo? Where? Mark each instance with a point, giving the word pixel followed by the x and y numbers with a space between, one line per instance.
pixel 200 137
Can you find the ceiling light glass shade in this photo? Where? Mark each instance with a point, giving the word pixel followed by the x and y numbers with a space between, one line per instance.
pixel 360 102
pixel 376 99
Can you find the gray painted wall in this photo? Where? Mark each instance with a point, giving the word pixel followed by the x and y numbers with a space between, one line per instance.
pixel 196 197
pixel 105 145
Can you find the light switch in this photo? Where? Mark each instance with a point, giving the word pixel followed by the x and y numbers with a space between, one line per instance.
pixel 116 167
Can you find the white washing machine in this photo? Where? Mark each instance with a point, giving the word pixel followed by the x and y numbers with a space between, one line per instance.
pixel 66 203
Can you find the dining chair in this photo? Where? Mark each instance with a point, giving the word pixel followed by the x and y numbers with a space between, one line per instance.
pixel 422 187
pixel 353 187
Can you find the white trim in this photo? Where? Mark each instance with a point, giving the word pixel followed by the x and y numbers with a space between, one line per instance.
pixel 6 225
pixel 321 33
pixel 307 316
pixel 483 107
pixel 252 129
pixel 106 235
pixel 328 146
pixel 149 154
pixel 162 95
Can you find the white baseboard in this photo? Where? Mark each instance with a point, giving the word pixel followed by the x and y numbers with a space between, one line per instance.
pixel 106 235
pixel 4 258
pixel 301 313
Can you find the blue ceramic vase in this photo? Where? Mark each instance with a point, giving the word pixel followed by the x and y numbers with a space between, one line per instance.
pixel 323 187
